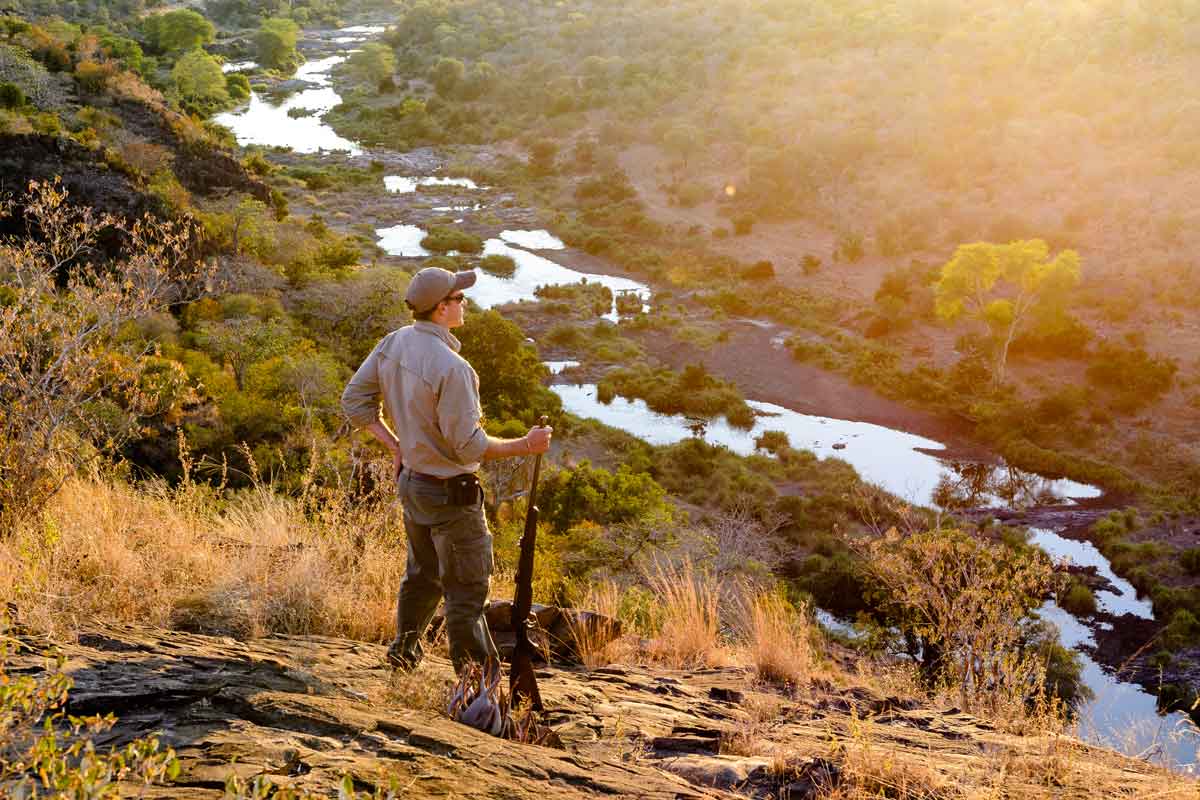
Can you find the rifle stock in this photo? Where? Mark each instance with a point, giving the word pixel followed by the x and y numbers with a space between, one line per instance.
pixel 522 683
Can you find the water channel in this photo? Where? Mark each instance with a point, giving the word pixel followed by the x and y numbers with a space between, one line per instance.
pixel 1121 715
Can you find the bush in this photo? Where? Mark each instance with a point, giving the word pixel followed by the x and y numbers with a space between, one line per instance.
pixel 442 239
pixel 810 264
pixel 1135 377
pixel 498 264
pixel 1190 560
pixel 759 271
pixel 11 96
pixel 1078 599
pixel 743 224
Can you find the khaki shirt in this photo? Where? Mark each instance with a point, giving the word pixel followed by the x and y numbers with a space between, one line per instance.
pixel 430 394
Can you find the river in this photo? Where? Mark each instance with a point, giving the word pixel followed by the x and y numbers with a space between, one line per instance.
pixel 1122 714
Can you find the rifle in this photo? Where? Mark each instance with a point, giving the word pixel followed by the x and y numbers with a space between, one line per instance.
pixel 522 683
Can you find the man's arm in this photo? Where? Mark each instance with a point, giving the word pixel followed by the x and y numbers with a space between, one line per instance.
pixel 360 402
pixel 388 439
pixel 536 441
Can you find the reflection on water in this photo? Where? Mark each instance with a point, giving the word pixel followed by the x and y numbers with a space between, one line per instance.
pixel 533 271
pixel 403 184
pixel 1123 715
pixel 533 240
pixel 403 240
pixel 973 484
pixel 1084 554
pixel 556 367
pixel 268 124
pixel 882 456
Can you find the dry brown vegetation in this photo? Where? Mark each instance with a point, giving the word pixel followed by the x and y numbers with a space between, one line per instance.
pixel 256 563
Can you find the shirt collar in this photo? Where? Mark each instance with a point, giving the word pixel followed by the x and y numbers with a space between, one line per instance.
pixel 439 331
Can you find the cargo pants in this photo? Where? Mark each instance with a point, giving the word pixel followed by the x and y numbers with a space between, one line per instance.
pixel 449 553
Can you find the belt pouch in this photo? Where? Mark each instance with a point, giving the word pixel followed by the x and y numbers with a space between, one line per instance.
pixel 464 490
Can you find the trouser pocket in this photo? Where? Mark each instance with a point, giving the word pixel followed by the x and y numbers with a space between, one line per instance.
pixel 465 549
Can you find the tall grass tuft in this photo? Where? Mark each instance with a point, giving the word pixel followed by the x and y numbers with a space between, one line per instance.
pixel 777 641
pixel 690 635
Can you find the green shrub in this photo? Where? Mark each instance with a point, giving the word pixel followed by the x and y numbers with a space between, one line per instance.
pixel 1190 560
pixel 11 96
pixel 498 264
pixel 1078 599
pixel 1182 631
pixel 442 239
pixel 1134 377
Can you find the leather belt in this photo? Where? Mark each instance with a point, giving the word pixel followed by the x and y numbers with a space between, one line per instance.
pixel 421 476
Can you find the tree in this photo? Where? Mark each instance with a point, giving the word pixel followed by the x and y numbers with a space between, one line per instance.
pixel 200 82
pixel 374 63
pixel 69 386
pixel 177 31
pixel 276 43
pixel 510 374
pixel 446 75
pixel 1000 286
pixel 959 601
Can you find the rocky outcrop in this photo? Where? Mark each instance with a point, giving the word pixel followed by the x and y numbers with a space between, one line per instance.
pixel 307 710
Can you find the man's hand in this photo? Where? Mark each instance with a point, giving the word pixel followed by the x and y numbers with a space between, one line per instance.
pixel 538 439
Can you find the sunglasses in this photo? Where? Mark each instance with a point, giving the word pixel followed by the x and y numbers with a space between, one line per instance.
pixel 455 298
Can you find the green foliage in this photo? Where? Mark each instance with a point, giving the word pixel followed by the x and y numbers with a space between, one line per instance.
pixel 177 31
pixel 1182 631
pixel 1078 599
pixel 567 497
pixel 1190 560
pixel 48 752
pixel 586 299
pixel 498 264
pixel 1001 286
pixel 446 75
pixel 443 239
pixel 695 392
pixel 1132 376
pixel 510 374
pixel 373 63
pixel 238 86
pixel 200 82
pixel 275 43
pixel 11 96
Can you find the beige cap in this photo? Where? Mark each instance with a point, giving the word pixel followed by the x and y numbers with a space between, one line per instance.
pixel 432 285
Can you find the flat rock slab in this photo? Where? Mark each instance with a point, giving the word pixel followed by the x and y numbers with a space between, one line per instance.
pixel 307 710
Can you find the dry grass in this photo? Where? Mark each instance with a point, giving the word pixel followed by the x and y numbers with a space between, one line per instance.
pixel 169 557
pixel 595 642
pixel 691 634
pixel 778 642
pixel 426 688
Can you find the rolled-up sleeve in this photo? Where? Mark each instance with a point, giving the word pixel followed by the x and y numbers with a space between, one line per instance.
pixel 459 414
pixel 360 400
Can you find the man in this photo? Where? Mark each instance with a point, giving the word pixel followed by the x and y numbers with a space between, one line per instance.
pixel 431 396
